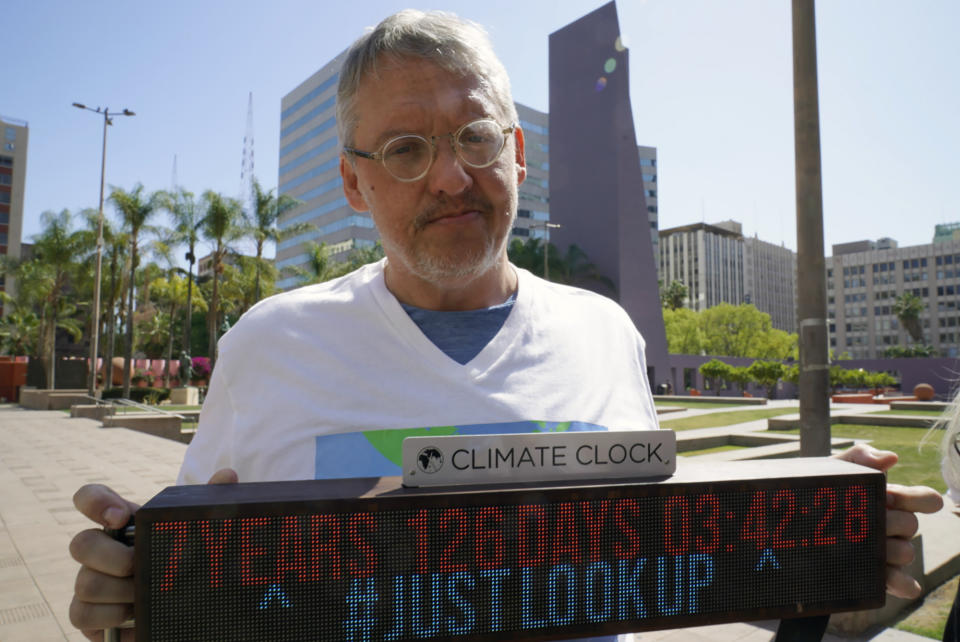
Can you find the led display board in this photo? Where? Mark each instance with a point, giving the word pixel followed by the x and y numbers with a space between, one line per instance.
pixel 367 559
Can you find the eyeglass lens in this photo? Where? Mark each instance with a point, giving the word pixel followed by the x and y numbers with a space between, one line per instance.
pixel 478 144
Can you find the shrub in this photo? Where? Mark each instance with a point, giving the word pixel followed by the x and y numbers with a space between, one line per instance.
pixel 201 367
pixel 140 395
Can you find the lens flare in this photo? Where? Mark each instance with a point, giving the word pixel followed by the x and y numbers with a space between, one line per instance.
pixel 610 65
pixel 601 83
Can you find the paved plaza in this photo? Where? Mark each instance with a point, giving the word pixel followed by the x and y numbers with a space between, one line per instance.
pixel 45 456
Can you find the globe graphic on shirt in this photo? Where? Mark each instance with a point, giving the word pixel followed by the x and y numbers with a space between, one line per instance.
pixel 430 459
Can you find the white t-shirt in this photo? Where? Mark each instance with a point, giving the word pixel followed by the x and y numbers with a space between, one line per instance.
pixel 325 381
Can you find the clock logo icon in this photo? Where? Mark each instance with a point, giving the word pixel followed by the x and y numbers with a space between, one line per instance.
pixel 430 459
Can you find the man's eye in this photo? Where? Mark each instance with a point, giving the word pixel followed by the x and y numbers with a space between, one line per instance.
pixel 404 148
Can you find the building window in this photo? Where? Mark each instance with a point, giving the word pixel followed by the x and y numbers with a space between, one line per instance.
pixel 521 231
pixel 6 161
pixel 6 179
pixel 8 147
pixel 4 197
pixel 11 133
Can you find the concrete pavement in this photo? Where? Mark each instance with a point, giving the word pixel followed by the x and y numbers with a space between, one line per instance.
pixel 45 456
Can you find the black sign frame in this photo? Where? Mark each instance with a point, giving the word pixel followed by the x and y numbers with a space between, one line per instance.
pixel 187 504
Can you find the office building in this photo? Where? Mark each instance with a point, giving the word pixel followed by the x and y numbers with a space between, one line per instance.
pixel 770 281
pixel 533 205
pixel 865 278
pixel 719 265
pixel 708 259
pixel 13 174
pixel 648 172
pixel 309 172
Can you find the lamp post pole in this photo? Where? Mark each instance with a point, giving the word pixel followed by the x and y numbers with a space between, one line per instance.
pixel 545 226
pixel 95 325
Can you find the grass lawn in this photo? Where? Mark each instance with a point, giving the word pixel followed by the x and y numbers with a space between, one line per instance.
pixel 707 451
pixel 717 419
pixel 915 467
pixel 930 618
pixel 919 413
pixel 693 404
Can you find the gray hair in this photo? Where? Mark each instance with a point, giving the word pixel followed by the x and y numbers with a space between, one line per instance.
pixel 456 45
pixel 949 422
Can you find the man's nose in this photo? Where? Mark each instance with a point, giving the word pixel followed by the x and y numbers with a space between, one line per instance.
pixel 448 174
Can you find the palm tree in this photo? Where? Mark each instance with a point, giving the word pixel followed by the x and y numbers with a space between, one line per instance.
pixel 115 243
pixel 908 308
pixel 136 209
pixel 45 280
pixel 222 225
pixel 527 254
pixel 187 220
pixel 319 267
pixel 262 223
pixel 575 268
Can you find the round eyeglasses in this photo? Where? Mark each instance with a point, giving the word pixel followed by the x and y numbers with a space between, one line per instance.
pixel 408 157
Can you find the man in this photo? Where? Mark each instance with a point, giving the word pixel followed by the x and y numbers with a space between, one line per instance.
pixel 443 332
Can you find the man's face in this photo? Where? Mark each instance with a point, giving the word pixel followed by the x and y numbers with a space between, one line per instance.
pixel 452 225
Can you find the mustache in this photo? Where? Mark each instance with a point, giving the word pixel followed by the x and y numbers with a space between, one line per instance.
pixel 444 205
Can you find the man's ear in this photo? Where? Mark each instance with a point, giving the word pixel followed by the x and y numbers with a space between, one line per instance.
pixel 351 188
pixel 520 152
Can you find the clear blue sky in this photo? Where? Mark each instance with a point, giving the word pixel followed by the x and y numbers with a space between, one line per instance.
pixel 711 88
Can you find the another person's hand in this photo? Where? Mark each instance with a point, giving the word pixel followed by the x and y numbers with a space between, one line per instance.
pixel 103 593
pixel 902 504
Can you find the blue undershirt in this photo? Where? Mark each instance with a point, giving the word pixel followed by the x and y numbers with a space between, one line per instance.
pixel 461 335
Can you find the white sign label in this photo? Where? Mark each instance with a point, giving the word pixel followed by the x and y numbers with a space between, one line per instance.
pixel 549 456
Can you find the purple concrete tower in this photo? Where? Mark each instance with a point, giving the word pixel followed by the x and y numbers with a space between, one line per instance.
pixel 596 188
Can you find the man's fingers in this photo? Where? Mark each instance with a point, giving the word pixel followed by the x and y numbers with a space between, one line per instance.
pixel 916 499
pixel 869 456
pixel 899 584
pixel 899 552
pixel 901 524
pixel 99 588
pixel 103 506
pixel 95 549
pixel 87 616
pixel 96 635
pixel 224 476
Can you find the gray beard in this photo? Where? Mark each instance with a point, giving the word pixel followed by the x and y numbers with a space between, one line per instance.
pixel 442 269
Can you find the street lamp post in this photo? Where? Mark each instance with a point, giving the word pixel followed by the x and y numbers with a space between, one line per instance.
pixel 545 226
pixel 95 326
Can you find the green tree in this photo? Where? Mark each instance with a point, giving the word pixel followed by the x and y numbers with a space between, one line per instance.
pixel 908 307
pixel 238 281
pixel 766 374
pixel 684 335
pixel 740 375
pixel 735 330
pixel 715 370
pixel 855 378
pixel 222 225
pixel 136 208
pixel 19 330
pixel 791 374
pixel 262 223
pixel 44 284
pixel 576 268
pixel 674 295
pixel 187 215
pixel 113 283
pixel 527 254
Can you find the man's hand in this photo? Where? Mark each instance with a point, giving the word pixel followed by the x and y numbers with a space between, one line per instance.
pixel 902 503
pixel 103 593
